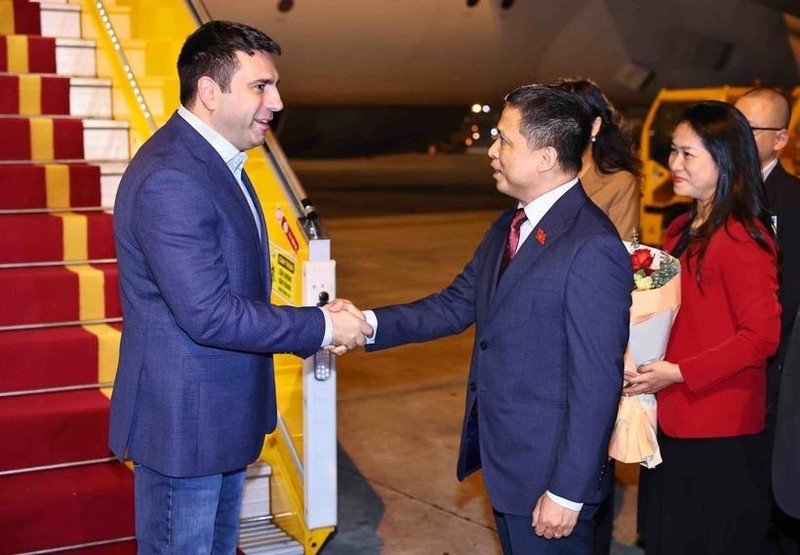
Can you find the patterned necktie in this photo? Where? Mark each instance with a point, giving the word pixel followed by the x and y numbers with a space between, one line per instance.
pixel 513 238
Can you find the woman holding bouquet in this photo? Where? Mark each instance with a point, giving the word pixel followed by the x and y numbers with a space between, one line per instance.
pixel 610 173
pixel 709 496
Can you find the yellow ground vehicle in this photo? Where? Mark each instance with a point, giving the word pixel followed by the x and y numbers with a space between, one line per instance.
pixel 659 203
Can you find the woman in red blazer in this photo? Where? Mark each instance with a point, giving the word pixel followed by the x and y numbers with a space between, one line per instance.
pixel 709 496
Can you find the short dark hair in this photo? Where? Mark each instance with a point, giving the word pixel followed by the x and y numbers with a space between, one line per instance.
pixel 553 118
pixel 211 51
pixel 612 149
pixel 726 135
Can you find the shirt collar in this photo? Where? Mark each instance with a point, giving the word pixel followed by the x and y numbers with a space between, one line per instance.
pixel 537 208
pixel 232 156
pixel 766 170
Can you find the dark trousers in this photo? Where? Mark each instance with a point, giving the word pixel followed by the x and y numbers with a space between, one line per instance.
pixel 517 536
pixel 603 521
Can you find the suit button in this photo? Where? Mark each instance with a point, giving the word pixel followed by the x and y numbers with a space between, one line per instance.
pixel 472 386
pixel 483 345
pixel 474 412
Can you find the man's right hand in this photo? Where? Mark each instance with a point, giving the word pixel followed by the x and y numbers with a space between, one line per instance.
pixel 350 330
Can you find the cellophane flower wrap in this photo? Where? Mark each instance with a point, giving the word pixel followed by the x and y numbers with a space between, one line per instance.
pixel 656 298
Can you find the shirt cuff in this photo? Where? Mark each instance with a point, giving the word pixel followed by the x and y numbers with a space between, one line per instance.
pixel 566 503
pixel 328 337
pixel 372 320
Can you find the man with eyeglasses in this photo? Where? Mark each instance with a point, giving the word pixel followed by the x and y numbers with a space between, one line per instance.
pixel 768 113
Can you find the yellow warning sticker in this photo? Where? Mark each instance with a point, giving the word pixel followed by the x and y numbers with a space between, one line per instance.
pixel 284 275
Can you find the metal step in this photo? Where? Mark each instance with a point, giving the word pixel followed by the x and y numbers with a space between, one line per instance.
pixel 76 57
pixel 110 175
pixel 262 536
pixel 106 140
pixel 90 98
pixel 60 20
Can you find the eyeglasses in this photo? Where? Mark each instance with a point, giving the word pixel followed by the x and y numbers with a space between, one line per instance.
pixel 754 128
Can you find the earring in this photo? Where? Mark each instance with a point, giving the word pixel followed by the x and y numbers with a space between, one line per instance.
pixel 594 138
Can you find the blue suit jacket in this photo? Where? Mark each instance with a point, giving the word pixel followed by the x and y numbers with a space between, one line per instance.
pixel 194 392
pixel 546 370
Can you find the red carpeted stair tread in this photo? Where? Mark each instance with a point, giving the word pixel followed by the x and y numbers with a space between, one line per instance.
pixel 54 357
pixel 26 19
pixel 53 93
pixel 122 548
pixel 18 136
pixel 25 186
pixel 40 237
pixel 40 53
pixel 41 510
pixel 53 428
pixel 51 294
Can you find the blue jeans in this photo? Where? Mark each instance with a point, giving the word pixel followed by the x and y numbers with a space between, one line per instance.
pixel 187 516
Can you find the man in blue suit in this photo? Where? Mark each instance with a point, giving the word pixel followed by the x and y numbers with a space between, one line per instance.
pixel 549 289
pixel 194 392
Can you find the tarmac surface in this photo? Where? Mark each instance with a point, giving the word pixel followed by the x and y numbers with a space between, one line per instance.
pixel 402 227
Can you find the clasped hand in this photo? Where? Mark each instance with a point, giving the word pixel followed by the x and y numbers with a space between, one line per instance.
pixel 350 328
pixel 652 377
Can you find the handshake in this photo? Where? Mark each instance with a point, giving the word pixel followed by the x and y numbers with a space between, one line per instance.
pixel 350 327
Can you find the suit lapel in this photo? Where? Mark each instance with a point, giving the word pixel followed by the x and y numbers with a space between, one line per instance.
pixel 252 192
pixel 544 236
pixel 487 280
pixel 264 236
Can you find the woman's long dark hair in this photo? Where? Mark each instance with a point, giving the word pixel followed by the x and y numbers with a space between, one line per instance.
pixel 612 149
pixel 727 136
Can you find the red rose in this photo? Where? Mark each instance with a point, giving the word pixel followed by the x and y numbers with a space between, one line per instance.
pixel 641 259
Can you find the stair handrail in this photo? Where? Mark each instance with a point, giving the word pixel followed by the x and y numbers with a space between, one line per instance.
pixel 140 115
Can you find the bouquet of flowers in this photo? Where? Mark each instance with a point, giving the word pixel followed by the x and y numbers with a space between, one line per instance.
pixel 656 298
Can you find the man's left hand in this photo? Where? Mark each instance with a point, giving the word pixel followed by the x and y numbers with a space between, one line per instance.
pixel 551 520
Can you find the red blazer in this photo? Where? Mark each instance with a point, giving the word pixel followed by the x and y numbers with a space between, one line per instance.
pixel 726 328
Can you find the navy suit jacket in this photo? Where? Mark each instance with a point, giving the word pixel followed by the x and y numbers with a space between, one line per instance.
pixel 783 379
pixel 546 370
pixel 194 392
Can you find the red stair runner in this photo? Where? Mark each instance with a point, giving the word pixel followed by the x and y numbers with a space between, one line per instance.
pixel 39 237
pixel 25 185
pixel 51 294
pixel 57 427
pixel 70 506
pixel 57 507
pixel 54 357
pixel 54 93
pixel 17 136
pixel 40 53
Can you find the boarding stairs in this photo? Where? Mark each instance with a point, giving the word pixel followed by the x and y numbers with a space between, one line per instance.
pixel 63 148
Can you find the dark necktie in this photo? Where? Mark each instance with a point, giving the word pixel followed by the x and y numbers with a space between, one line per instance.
pixel 513 238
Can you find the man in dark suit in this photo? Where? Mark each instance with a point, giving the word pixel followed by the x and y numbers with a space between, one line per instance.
pixel 768 113
pixel 194 392
pixel 549 289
